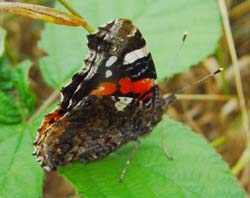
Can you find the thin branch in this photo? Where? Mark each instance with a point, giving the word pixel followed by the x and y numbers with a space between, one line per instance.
pixel 232 50
pixel 202 97
pixel 242 162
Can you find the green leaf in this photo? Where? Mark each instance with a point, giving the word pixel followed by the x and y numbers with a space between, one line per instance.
pixel 162 23
pixel 20 174
pixel 26 99
pixel 2 40
pixel 17 105
pixel 6 83
pixel 196 170
pixel 9 111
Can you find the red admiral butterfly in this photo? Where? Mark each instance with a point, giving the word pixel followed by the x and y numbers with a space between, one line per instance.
pixel 112 100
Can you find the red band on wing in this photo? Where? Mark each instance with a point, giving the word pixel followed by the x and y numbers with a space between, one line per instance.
pixel 137 87
pixel 126 85
pixel 141 86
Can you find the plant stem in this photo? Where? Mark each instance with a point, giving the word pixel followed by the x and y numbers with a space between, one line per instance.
pixel 74 12
pixel 218 141
pixel 244 159
pixel 232 50
pixel 240 9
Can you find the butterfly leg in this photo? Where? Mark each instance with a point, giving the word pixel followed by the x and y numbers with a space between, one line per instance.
pixel 129 160
pixel 163 142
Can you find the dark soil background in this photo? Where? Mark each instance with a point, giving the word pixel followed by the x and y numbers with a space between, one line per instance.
pixel 216 117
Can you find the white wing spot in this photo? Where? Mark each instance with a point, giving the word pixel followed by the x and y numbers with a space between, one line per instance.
pixel 111 61
pixel 135 55
pixel 123 103
pixel 108 74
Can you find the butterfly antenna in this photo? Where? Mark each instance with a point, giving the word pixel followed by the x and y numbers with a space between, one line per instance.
pixel 177 54
pixel 184 38
pixel 171 98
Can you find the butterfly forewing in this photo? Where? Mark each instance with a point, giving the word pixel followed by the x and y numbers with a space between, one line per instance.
pixel 119 64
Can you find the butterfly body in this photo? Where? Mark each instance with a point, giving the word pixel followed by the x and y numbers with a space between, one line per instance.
pixel 112 100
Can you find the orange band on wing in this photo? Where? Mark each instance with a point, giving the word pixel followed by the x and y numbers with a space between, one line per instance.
pixel 48 120
pixel 104 89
